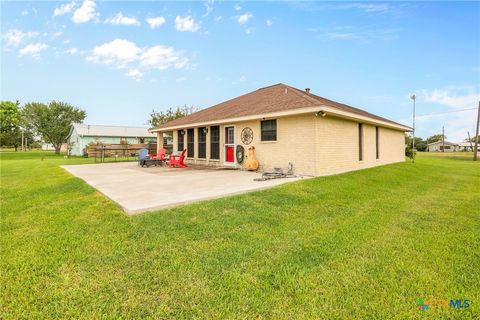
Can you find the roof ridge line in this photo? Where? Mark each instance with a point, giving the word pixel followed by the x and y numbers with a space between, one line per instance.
pixel 303 94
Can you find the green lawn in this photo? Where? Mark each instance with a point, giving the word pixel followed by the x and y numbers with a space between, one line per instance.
pixel 365 244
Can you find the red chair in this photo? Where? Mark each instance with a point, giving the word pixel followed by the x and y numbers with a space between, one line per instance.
pixel 177 160
pixel 161 154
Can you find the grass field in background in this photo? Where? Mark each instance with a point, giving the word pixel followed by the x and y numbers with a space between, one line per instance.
pixel 365 244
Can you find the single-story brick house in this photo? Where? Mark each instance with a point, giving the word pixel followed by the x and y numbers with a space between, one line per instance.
pixel 287 125
pixel 81 135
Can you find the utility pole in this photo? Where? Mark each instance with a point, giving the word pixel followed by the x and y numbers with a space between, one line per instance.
pixel 476 136
pixel 470 140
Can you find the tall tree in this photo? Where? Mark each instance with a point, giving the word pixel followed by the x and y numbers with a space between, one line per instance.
pixel 53 121
pixel 435 138
pixel 160 117
pixel 10 124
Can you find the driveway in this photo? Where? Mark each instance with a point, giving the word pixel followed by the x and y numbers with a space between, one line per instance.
pixel 138 189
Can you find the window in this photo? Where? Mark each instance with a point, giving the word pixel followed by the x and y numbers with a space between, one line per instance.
pixel 215 142
pixel 377 142
pixel 360 142
pixel 268 130
pixel 180 142
pixel 190 143
pixel 202 142
pixel 229 135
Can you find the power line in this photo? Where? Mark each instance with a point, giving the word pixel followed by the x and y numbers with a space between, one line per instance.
pixel 435 113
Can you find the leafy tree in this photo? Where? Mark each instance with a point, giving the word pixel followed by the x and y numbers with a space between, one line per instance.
pixel 160 117
pixel 10 124
pixel 53 121
pixel 408 141
pixel 435 138
pixel 420 146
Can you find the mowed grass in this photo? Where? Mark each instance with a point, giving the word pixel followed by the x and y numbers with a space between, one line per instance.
pixel 361 245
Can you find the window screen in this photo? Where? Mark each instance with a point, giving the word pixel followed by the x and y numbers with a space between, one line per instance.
pixel 180 143
pixel 215 142
pixel 202 143
pixel 190 143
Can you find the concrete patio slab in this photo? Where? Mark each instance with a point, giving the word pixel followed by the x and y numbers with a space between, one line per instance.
pixel 138 189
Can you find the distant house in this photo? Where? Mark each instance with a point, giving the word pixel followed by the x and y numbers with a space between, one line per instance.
pixel 81 135
pixel 438 146
pixel 286 125
pixel 467 146
pixel 50 147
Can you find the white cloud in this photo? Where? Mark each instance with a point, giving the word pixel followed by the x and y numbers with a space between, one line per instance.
pixel 71 51
pixel 456 120
pixel 269 23
pixel 124 54
pixel 186 24
pixel 64 9
pixel 155 22
pixel 367 7
pixel 244 17
pixel 24 13
pixel 208 8
pixel 134 74
pixel 14 37
pixel 119 52
pixel 237 7
pixel 86 12
pixel 249 30
pixel 343 35
pixel 451 99
pixel 120 19
pixel 362 34
pixel 161 57
pixel 57 34
pixel 33 49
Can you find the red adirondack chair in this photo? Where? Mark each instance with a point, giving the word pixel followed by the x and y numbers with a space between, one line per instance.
pixel 161 154
pixel 177 160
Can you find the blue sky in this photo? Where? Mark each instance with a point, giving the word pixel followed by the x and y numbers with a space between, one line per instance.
pixel 120 60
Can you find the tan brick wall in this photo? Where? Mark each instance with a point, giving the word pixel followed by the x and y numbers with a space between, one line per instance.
pixel 295 136
pixel 337 146
pixel 315 146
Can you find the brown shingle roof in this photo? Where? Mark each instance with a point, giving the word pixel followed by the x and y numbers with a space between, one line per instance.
pixel 278 97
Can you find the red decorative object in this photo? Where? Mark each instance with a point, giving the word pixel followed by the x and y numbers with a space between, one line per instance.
pixel 160 155
pixel 177 160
